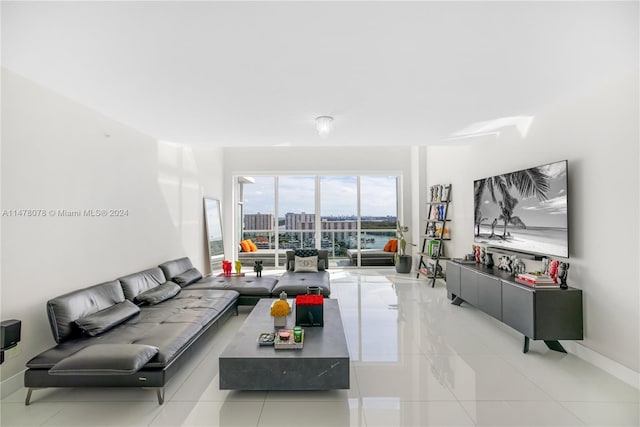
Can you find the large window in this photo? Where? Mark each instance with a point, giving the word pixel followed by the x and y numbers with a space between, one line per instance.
pixel 259 212
pixel 296 212
pixel 350 216
pixel 378 214
pixel 339 214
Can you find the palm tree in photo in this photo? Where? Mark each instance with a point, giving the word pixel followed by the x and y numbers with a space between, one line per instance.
pixel 477 194
pixel 507 216
pixel 532 182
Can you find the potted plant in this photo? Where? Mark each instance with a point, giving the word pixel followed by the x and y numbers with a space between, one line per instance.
pixel 402 260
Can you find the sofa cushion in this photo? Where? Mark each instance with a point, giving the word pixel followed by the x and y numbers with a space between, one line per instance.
pixel 64 310
pixel 158 294
pixel 175 267
pixel 136 283
pixel 188 277
pixel 307 264
pixel 106 359
pixel 103 320
pixel 248 285
pixel 291 265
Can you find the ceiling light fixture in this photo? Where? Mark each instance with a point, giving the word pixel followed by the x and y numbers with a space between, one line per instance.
pixel 323 125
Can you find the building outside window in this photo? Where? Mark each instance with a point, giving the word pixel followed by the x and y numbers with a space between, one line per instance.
pixel 353 217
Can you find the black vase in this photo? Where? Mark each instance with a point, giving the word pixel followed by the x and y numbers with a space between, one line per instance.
pixel 489 263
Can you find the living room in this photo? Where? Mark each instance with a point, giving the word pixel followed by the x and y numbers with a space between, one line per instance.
pixel 65 150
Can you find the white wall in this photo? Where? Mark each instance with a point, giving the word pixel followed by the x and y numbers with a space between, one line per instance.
pixel 599 136
pixel 319 160
pixel 56 155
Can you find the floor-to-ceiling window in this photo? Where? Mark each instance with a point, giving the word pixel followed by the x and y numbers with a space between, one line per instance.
pixel 259 212
pixel 339 215
pixel 378 216
pixel 351 216
pixel 296 212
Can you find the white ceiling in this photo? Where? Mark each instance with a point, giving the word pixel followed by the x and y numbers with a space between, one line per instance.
pixel 257 73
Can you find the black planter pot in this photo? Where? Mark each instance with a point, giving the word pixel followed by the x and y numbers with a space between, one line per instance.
pixel 403 263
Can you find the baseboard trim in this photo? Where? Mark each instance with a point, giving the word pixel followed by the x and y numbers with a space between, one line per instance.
pixel 612 367
pixel 11 384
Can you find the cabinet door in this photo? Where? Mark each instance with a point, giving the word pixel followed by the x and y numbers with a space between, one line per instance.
pixel 558 314
pixel 490 295
pixel 517 308
pixel 453 279
pixel 469 286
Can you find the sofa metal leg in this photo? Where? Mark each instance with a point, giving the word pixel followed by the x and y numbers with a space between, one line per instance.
pixel 27 401
pixel 160 394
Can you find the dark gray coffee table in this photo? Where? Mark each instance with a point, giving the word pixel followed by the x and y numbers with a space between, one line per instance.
pixel 323 363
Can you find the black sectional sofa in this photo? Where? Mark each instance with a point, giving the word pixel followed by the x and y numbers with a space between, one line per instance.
pixel 136 331
pixel 252 288
pixel 131 332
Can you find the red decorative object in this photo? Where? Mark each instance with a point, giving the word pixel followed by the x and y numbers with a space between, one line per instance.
pixel 309 300
pixel 226 267
pixel 553 270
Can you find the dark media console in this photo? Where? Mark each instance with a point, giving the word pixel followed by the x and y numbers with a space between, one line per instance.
pixel 539 314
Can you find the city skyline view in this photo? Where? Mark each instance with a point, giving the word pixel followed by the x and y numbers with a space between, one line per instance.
pixel 338 196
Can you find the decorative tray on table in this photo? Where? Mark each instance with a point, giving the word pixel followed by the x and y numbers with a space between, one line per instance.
pixel 288 344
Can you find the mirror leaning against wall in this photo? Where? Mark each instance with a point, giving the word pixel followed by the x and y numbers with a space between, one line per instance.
pixel 213 227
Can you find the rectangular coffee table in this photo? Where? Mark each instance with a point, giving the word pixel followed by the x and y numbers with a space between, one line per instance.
pixel 323 363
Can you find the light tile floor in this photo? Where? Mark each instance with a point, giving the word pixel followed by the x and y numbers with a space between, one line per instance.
pixel 416 359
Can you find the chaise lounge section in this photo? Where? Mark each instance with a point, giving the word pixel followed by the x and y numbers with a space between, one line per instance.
pixel 296 282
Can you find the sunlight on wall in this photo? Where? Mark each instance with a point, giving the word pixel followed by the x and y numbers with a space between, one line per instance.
pixel 178 182
pixel 494 127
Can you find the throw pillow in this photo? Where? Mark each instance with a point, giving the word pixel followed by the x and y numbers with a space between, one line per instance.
pixel 389 245
pixel 106 359
pixel 103 320
pixel 245 246
pixel 158 294
pixel 307 264
pixel 306 252
pixel 252 246
pixel 187 277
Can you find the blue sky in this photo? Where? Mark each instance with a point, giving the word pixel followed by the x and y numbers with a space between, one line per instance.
pixel 338 195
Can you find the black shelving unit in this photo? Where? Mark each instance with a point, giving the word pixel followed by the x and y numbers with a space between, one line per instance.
pixel 436 225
